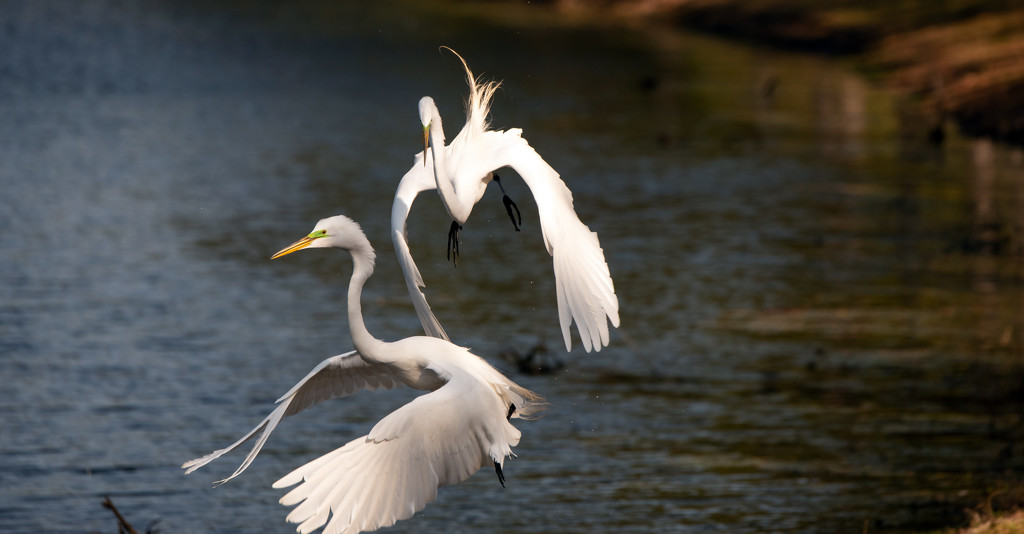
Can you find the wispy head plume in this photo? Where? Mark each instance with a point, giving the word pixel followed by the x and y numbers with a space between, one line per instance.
pixel 478 105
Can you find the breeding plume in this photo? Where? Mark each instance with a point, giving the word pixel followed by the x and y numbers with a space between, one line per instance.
pixel 461 171
pixel 438 439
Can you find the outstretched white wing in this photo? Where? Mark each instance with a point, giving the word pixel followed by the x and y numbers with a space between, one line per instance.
pixel 419 178
pixel 338 376
pixel 438 439
pixel 584 287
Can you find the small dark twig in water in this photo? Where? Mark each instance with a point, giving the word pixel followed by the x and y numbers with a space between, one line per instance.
pixel 123 526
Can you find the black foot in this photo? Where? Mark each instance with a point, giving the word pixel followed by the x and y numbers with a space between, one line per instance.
pixel 497 466
pixel 509 206
pixel 453 243
pixel 501 476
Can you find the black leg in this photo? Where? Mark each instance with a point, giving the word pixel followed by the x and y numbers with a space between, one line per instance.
pixel 501 476
pixel 509 205
pixel 453 243
pixel 497 466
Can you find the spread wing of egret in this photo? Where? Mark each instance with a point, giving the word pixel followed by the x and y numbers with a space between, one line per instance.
pixel 437 439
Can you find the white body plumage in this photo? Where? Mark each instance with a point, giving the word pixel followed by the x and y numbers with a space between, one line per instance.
pixel 437 439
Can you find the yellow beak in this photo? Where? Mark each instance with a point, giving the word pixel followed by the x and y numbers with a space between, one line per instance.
pixel 426 143
pixel 298 245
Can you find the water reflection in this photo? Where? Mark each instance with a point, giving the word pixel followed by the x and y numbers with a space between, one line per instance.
pixel 883 334
pixel 843 116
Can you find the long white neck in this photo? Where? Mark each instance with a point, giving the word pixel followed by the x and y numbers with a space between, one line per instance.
pixel 457 210
pixel 367 345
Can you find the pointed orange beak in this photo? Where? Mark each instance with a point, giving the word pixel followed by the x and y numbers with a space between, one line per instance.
pixel 298 245
pixel 426 143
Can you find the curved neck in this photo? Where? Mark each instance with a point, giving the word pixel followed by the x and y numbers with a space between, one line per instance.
pixel 363 341
pixel 445 188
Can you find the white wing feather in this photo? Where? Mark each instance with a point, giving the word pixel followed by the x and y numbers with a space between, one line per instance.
pixel 419 178
pixel 438 439
pixel 338 376
pixel 584 288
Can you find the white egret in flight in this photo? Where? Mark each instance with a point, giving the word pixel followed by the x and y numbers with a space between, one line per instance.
pixel 461 171
pixel 438 439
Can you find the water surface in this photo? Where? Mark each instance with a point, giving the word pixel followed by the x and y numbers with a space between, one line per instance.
pixel 821 311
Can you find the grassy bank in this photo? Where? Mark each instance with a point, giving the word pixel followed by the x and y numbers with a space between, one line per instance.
pixel 960 60
pixel 1010 523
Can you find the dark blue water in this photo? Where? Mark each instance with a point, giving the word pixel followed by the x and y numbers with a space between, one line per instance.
pixel 821 313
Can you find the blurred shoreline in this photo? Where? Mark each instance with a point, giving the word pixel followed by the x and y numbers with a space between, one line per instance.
pixel 960 63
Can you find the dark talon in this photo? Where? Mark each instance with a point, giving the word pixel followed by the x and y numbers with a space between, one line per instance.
pixel 509 205
pixel 453 243
pixel 501 476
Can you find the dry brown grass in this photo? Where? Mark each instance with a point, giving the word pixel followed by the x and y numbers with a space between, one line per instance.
pixel 1012 523
pixel 955 65
pixel 962 61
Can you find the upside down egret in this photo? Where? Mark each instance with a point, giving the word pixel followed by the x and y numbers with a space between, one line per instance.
pixel 437 439
pixel 461 171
